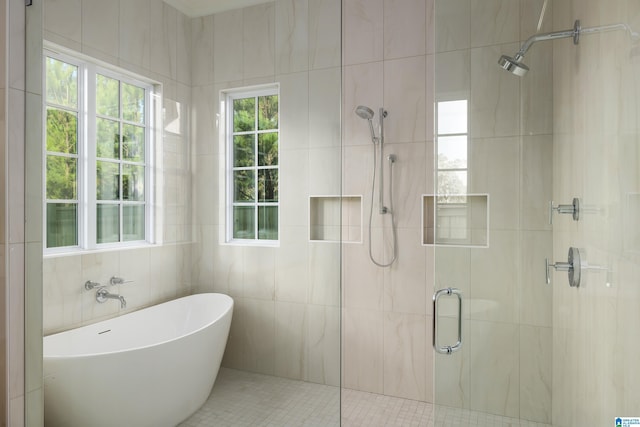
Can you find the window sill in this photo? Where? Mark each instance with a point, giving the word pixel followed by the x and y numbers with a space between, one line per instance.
pixel 253 243
pixel 80 251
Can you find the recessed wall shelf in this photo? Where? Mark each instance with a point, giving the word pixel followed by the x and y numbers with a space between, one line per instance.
pixel 334 217
pixel 455 220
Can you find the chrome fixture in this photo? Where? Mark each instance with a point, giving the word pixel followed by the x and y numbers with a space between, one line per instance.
pixel 367 114
pixel 573 267
pixel 573 209
pixel 516 66
pixel 102 295
pixel 88 285
pixel 447 349
pixel 118 281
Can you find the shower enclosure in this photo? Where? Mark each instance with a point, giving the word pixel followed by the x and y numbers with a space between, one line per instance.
pixel 565 130
pixel 487 167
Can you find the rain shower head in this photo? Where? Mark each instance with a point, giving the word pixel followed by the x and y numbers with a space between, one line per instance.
pixel 513 66
pixel 364 112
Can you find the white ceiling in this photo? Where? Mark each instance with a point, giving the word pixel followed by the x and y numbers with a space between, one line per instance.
pixel 194 8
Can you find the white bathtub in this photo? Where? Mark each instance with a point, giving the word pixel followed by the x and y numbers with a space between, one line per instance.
pixel 152 367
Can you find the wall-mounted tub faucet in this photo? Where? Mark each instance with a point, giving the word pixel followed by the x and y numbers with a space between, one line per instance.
pixel 102 295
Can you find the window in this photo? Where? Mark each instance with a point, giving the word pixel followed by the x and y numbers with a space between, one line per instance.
pixel 252 165
pixel 452 140
pixel 97 155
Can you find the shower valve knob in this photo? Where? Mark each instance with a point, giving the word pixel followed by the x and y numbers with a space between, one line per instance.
pixel 573 209
pixel 573 267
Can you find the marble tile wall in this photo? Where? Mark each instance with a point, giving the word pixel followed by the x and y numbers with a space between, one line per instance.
pixel 287 316
pixel 13 239
pixel 406 56
pixel 153 39
pixel 596 158
pixel 4 404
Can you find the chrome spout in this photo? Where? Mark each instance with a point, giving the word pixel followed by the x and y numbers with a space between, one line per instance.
pixel 102 295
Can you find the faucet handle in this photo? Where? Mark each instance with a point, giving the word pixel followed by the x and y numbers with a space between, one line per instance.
pixel 88 285
pixel 118 281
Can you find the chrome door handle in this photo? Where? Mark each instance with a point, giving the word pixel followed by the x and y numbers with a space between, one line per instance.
pixel 447 349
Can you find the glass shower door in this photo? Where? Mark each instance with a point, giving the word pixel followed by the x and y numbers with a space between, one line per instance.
pixel 493 138
pixel 556 151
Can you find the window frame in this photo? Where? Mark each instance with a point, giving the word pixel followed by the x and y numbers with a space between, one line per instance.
pixel 86 171
pixel 451 205
pixel 227 97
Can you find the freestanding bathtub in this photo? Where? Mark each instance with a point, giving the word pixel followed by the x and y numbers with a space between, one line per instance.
pixel 153 367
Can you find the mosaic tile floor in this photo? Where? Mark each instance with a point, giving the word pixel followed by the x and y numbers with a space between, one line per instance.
pixel 244 399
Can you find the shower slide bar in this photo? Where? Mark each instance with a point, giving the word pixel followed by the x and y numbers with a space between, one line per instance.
pixel 447 349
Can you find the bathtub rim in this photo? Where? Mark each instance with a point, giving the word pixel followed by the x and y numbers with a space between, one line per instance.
pixel 229 304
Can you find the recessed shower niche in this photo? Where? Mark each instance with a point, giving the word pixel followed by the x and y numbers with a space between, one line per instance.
pixel 455 220
pixel 331 215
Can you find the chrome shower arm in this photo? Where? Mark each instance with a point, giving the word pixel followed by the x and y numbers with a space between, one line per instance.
pixel 575 32
pixel 541 37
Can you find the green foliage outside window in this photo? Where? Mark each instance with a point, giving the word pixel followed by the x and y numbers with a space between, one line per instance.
pixel 120 151
pixel 255 167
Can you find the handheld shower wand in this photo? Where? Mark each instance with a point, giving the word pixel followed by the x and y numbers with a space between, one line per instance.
pixel 367 114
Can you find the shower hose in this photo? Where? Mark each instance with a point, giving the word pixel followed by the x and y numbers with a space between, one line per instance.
pixel 391 209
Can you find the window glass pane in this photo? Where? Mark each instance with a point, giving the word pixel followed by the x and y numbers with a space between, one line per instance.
pixel 62 225
pixel 243 151
pixel 452 183
pixel 267 185
pixel 452 117
pixel 268 149
pixel 61 178
pixel 244 114
pixel 107 96
pixel 108 139
pixel 268 112
pixel 243 222
pixel 108 223
pixel 133 223
pixel 244 186
pixel 107 181
pixel 132 103
pixel 452 152
pixel 133 143
pixel 132 182
pixel 62 131
pixel 62 83
pixel 268 222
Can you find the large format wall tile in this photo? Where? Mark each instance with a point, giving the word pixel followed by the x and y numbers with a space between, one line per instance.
pixel 494 366
pixel 405 356
pixel 452 24
pixel 362 31
pixel 99 29
pixel 536 346
pixel 363 353
pixel 324 33
pixel 64 17
pixel 405 28
pixel 405 99
pixel 494 108
pixel 258 41
pixel 228 46
pixel 291 36
pixel 290 340
pixel 494 22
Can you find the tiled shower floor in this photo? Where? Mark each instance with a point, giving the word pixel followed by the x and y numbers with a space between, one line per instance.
pixel 243 399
